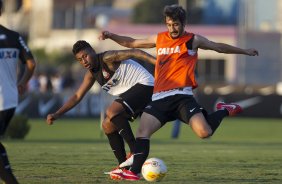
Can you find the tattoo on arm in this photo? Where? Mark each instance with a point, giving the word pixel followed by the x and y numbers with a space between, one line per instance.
pixel 120 55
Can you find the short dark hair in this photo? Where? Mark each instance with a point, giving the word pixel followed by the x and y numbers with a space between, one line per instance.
pixel 80 45
pixel 175 12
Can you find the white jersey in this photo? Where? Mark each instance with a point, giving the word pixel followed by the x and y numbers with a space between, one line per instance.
pixel 12 49
pixel 127 75
pixel 8 78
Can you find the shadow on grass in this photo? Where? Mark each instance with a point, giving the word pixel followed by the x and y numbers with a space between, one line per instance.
pixel 157 141
pixel 69 141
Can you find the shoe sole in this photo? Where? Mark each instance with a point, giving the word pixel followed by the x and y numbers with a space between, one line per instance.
pixel 118 178
pixel 115 177
pixel 110 172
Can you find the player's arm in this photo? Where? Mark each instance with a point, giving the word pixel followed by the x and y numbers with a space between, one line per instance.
pixel 129 42
pixel 203 43
pixel 87 83
pixel 29 63
pixel 121 55
pixel 27 73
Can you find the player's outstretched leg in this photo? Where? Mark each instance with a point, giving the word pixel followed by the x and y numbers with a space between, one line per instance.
pixel 223 109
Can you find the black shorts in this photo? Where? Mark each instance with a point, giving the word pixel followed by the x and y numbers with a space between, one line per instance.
pixel 5 118
pixel 136 99
pixel 170 108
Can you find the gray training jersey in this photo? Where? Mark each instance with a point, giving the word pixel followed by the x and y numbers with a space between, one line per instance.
pixel 12 49
pixel 127 75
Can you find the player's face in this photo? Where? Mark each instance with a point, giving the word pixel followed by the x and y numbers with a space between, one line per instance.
pixel 86 58
pixel 175 28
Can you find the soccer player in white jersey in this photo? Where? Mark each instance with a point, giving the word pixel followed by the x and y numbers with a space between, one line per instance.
pixel 120 76
pixel 12 49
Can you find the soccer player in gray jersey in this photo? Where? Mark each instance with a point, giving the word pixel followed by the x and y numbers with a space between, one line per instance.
pixel 12 49
pixel 120 76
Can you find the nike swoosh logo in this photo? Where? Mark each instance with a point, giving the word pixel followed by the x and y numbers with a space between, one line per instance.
pixel 192 109
pixel 137 153
pixel 164 62
pixel 120 131
pixel 232 106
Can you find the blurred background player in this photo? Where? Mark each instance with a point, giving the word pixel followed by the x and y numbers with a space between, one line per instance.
pixel 174 83
pixel 12 49
pixel 119 76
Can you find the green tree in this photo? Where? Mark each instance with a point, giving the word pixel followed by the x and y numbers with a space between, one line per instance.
pixel 150 11
pixel 54 58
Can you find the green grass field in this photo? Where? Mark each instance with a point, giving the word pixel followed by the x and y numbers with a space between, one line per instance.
pixel 74 151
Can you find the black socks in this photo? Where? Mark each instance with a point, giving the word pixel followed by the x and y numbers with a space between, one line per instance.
pixel 214 119
pixel 141 153
pixel 124 130
pixel 117 145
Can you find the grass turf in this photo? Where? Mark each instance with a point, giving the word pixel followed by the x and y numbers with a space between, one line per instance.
pixel 74 151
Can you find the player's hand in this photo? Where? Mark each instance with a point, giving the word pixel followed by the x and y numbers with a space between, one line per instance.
pixel 21 89
pixel 252 52
pixel 51 118
pixel 104 35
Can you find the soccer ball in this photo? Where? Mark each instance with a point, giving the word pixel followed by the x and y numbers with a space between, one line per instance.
pixel 154 169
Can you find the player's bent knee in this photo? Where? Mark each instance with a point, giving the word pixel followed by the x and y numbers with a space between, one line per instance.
pixel 204 134
pixel 108 127
pixel 112 114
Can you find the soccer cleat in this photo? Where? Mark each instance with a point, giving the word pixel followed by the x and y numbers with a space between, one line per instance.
pixel 116 175
pixel 232 108
pixel 125 175
pixel 115 170
pixel 129 155
pixel 128 162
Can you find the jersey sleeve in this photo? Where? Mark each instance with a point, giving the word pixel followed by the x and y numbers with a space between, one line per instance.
pixel 25 53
